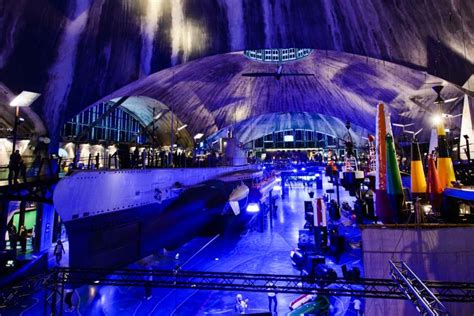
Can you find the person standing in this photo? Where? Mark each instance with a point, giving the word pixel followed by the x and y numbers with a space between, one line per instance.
pixel 241 304
pixel 97 161
pixel 13 237
pixel 33 237
pixel 14 167
pixel 148 285
pixel 58 251
pixel 23 238
pixel 357 307
pixel 22 170
pixel 135 157
pixel 272 299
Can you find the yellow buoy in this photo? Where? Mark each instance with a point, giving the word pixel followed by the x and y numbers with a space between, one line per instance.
pixel 444 162
pixel 418 180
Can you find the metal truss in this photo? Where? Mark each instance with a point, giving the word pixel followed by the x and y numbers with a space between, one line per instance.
pixel 55 283
pixel 225 281
pixel 416 290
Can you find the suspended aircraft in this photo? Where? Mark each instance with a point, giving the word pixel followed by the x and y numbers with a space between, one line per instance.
pixel 277 74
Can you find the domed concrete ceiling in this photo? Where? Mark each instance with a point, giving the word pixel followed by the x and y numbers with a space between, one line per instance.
pixel 210 93
pixel 76 52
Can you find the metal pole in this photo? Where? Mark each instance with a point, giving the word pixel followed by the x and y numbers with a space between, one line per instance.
pixel 61 308
pixel 272 210
pixel 468 150
pixel 54 296
pixel 153 130
pixel 3 223
pixel 15 128
pixel 172 137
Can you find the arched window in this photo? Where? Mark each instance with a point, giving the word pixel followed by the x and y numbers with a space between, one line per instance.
pixel 277 55
pixel 113 125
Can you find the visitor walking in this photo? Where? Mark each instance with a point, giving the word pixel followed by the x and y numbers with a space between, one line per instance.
pixel 58 251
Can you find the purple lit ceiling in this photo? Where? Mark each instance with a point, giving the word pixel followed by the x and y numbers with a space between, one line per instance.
pixel 210 93
pixel 76 52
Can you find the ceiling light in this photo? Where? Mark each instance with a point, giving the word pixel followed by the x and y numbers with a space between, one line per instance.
pixel 437 119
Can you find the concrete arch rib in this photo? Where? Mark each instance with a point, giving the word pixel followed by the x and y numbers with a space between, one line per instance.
pixel 210 93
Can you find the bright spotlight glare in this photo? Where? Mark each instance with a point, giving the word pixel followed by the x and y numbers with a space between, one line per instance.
pixel 437 119
pixel 253 208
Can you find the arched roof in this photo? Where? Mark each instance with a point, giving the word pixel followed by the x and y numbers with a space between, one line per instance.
pixel 210 93
pixel 88 49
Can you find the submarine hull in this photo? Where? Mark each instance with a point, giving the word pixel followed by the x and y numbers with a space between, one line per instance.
pixel 120 238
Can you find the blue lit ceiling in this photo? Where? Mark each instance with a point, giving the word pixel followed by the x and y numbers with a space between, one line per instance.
pixel 210 93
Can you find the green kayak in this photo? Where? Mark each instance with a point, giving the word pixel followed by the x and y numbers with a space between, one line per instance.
pixel 319 306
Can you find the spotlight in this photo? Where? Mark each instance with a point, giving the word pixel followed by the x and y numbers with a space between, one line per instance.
pixel 253 208
pixel 198 136
pixel 426 209
pixel 437 119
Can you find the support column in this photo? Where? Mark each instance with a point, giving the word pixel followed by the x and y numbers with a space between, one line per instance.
pixel 272 209
pixel 44 226
pixel 283 187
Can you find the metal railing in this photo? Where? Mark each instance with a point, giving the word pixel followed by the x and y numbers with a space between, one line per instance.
pixel 34 169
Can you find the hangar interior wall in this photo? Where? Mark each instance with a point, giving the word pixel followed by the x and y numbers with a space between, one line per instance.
pixel 441 253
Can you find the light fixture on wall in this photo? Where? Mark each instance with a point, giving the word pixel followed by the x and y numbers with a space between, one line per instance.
pixel 182 127
pixel 24 99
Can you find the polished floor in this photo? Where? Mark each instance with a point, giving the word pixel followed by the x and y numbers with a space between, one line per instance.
pixel 251 252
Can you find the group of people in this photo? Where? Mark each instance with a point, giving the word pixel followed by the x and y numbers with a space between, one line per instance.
pixel 14 236
pixel 16 168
